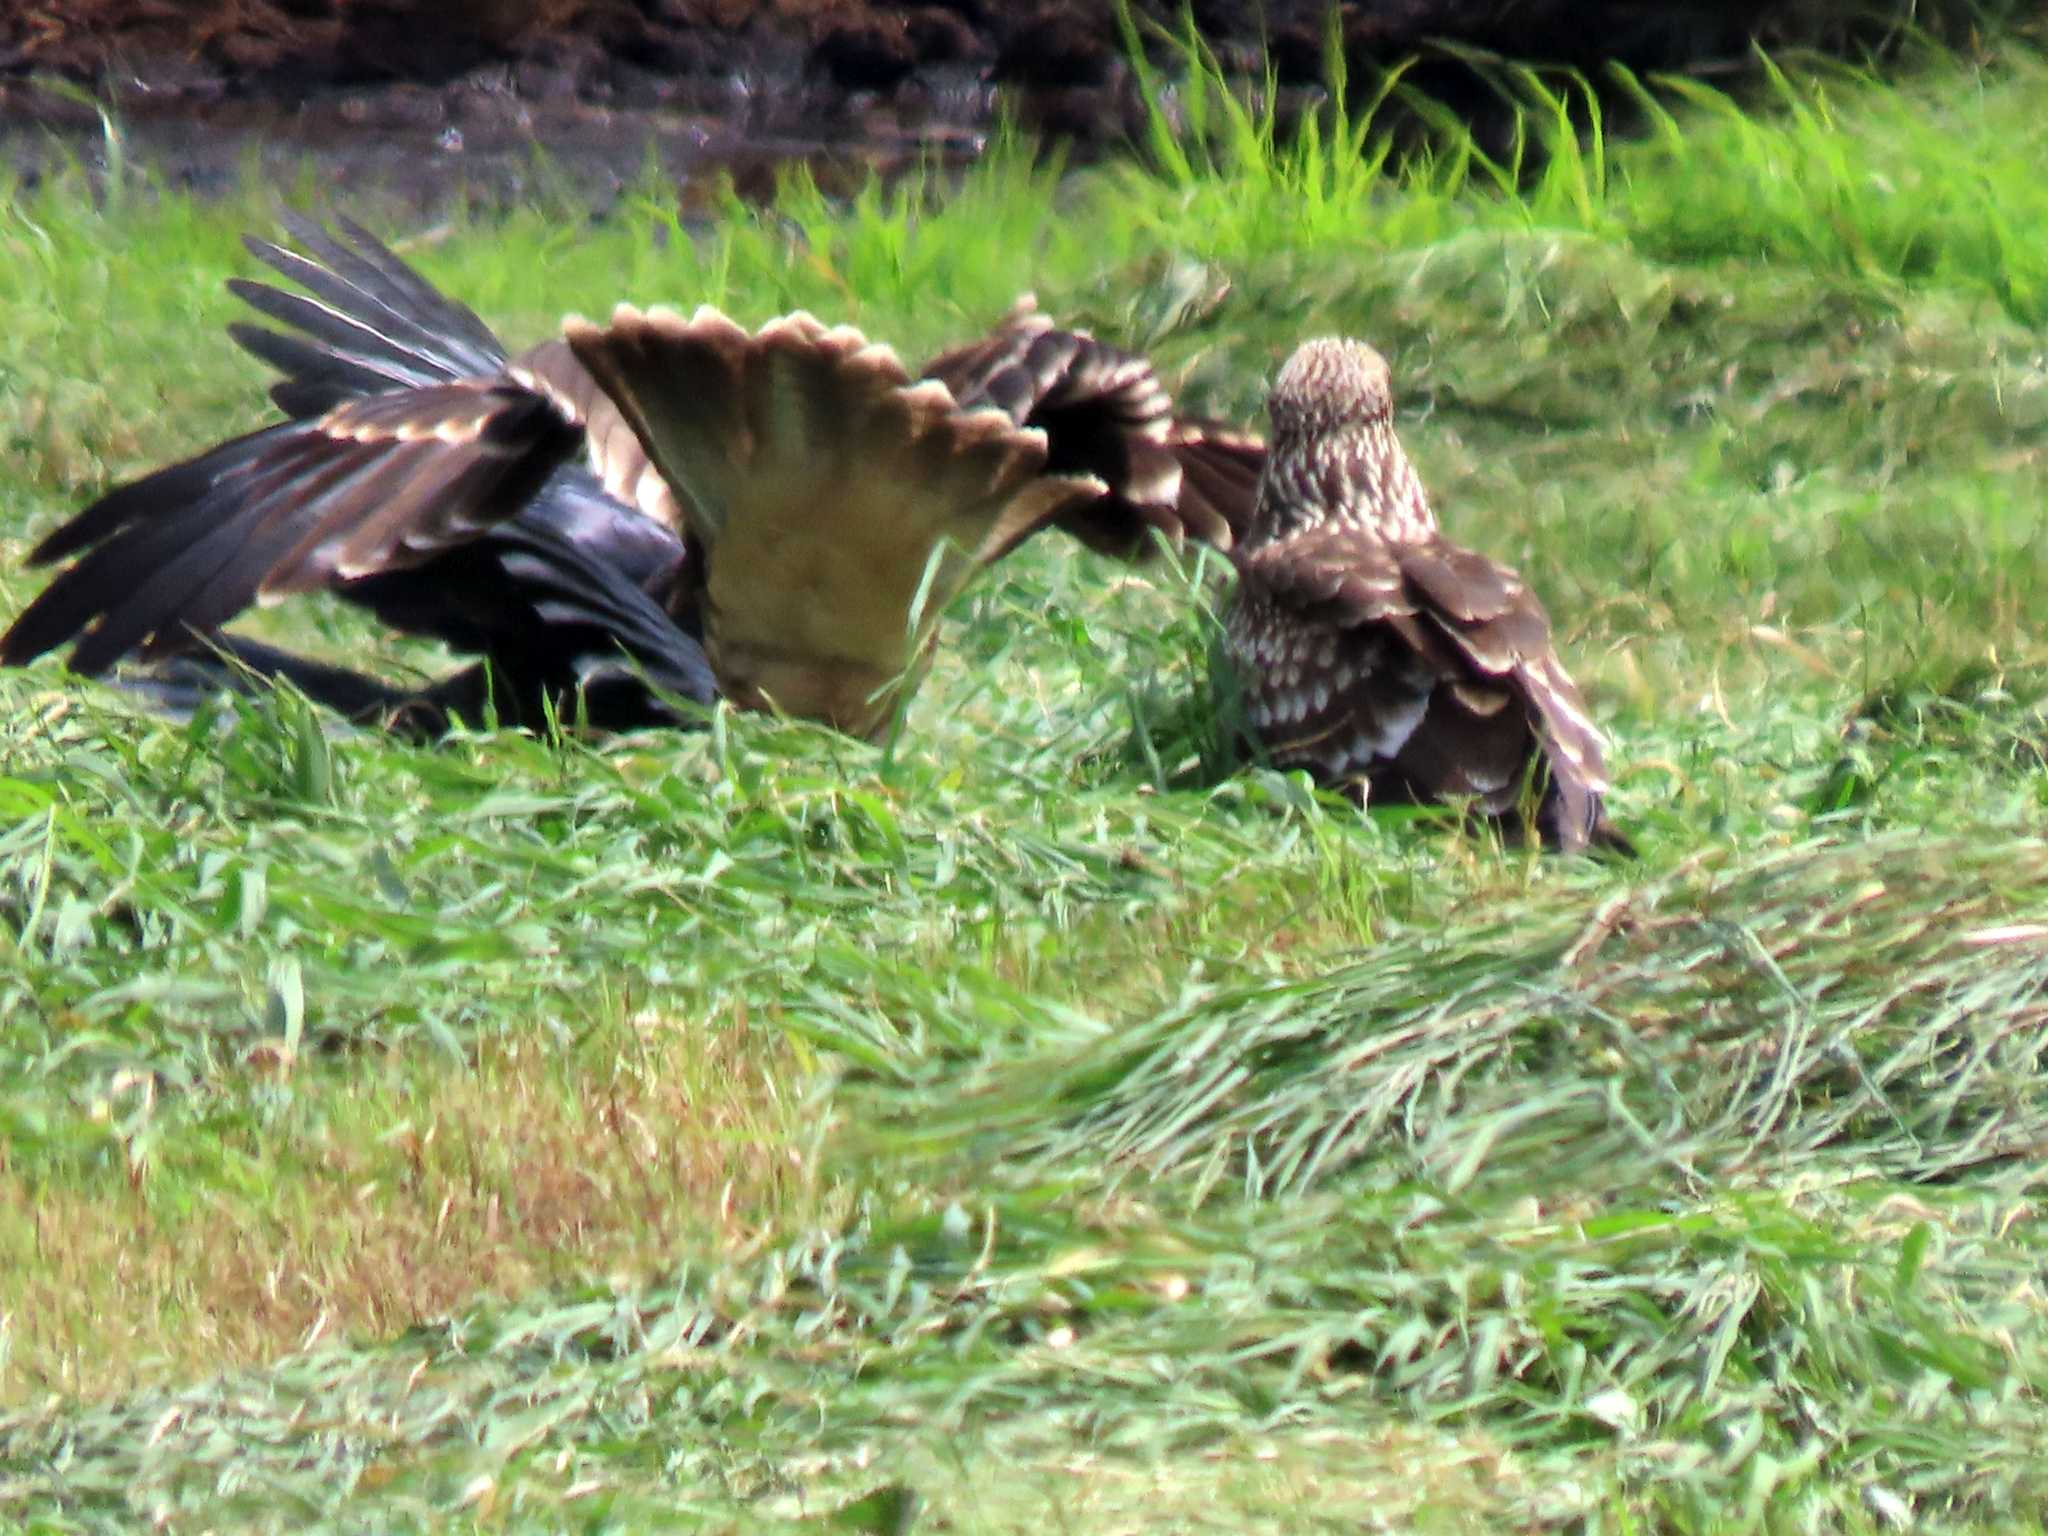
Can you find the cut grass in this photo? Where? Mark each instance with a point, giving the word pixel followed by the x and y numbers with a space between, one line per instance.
pixel 1039 1114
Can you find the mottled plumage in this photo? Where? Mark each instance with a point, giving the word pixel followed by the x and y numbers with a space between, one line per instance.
pixel 776 516
pixel 1375 653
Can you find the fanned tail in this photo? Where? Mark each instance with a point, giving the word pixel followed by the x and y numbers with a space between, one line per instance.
pixel 841 503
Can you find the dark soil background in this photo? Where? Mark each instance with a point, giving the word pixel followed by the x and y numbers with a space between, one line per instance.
pixel 377 89
pixel 600 50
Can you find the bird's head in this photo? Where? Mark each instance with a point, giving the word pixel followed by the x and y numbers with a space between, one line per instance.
pixel 1330 385
pixel 1333 455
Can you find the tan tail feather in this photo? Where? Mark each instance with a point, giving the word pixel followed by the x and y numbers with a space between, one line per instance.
pixel 612 447
pixel 824 483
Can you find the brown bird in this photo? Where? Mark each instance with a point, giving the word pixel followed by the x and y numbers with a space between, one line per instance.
pixel 1377 654
pixel 661 506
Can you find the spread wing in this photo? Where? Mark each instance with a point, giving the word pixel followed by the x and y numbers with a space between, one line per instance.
pixel 373 485
pixel 413 438
pixel 1424 666
pixel 1106 414
pixel 366 323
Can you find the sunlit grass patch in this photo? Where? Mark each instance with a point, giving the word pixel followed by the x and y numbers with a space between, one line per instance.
pixel 328 1204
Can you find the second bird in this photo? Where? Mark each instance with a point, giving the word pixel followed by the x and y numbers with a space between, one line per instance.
pixel 1375 653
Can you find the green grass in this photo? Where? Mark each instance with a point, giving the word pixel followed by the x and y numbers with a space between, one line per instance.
pixel 1037 1121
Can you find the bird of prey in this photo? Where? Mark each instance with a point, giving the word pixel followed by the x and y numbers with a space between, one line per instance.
pixel 662 507
pixel 1377 654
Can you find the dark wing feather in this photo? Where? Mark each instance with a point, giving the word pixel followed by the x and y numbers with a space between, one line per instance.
pixel 1219 485
pixel 229 663
pixel 422 439
pixel 140 565
pixel 1468 588
pixel 556 623
pixel 295 507
pixel 1106 414
pixel 1425 669
pixel 366 323
pixel 1326 638
pixel 1334 575
pixel 566 635
pixel 1500 628
pixel 618 462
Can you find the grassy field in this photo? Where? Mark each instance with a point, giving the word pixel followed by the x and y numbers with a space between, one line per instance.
pixel 1037 1124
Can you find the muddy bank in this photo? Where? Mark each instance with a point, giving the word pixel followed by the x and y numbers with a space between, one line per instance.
pixel 441 91
pixel 648 52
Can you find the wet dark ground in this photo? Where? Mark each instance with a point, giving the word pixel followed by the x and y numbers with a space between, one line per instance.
pixel 481 138
pixel 419 98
